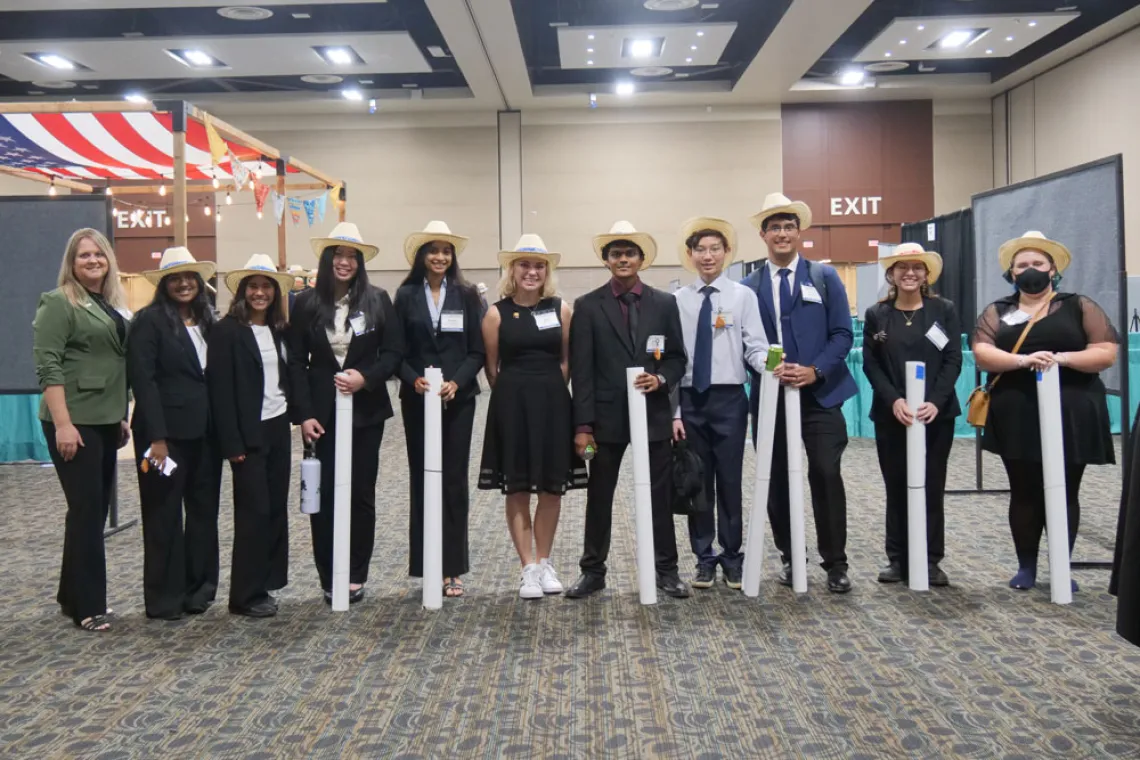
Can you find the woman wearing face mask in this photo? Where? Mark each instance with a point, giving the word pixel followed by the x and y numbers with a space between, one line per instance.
pixel 1065 329
pixel 250 400
pixel 440 316
pixel 79 345
pixel 344 338
pixel 912 324
pixel 527 335
pixel 166 361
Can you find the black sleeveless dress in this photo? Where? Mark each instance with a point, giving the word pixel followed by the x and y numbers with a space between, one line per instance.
pixel 529 442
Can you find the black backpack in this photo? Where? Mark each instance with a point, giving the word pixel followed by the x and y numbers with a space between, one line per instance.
pixel 688 481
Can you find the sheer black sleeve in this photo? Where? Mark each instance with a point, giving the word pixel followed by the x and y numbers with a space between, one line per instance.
pixel 986 329
pixel 1097 326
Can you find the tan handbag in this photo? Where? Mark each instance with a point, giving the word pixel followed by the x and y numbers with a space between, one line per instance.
pixel 978 405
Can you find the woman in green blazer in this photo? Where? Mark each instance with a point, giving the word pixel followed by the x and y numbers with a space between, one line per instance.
pixel 80 353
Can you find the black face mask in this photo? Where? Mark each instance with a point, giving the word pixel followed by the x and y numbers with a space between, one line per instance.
pixel 1033 281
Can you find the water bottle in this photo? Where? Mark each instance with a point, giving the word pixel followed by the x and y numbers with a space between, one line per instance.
pixel 310 482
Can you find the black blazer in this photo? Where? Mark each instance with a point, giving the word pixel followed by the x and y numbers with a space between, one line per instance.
pixel 885 366
pixel 600 352
pixel 375 354
pixel 236 379
pixel 459 354
pixel 171 399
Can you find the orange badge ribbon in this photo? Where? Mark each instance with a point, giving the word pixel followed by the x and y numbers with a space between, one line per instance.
pixel 719 322
pixel 657 354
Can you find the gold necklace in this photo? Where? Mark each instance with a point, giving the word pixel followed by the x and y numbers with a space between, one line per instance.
pixel 910 319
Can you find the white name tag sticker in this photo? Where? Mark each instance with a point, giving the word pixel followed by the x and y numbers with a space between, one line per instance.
pixel 810 294
pixel 722 319
pixel 937 336
pixel 451 321
pixel 655 344
pixel 357 323
pixel 546 320
pixel 1015 317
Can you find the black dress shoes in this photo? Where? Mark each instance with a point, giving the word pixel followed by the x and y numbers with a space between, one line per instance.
pixel 197 608
pixel 837 581
pixel 260 610
pixel 785 576
pixel 673 586
pixel 356 596
pixel 937 575
pixel 892 573
pixel 732 578
pixel 587 584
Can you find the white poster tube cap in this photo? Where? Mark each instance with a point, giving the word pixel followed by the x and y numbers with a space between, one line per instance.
pixel 642 491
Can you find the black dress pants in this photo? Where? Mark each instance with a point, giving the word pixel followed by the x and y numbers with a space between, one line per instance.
pixel 890 442
pixel 824 434
pixel 365 465
pixel 87 481
pixel 261 520
pixel 180 565
pixel 458 420
pixel 604 471
pixel 1027 506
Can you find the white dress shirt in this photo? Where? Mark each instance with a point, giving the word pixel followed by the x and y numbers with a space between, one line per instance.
pixel 199 342
pixel 433 307
pixel 339 335
pixel 774 273
pixel 734 344
pixel 273 402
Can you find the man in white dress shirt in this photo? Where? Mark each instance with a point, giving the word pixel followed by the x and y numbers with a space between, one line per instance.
pixel 722 329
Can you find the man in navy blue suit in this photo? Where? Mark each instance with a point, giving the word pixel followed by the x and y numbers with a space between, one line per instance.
pixel 804 307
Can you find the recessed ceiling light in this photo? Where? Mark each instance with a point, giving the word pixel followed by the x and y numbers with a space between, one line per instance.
pixel 436 51
pixel 692 47
pixel 625 89
pixel 338 56
pixel 245 13
pixel 888 54
pixel 851 77
pixel 902 42
pixel 589 63
pixel 641 48
pixel 589 50
pixel 135 97
pixel 955 39
pixel 1033 23
pixel 700 34
pixel 300 16
pixel 589 36
pixel 196 59
pixel 921 27
pixel 352 94
pixel 56 61
pixel 1009 38
pixel 688 60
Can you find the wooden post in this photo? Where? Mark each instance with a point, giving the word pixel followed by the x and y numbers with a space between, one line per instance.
pixel 178 127
pixel 282 259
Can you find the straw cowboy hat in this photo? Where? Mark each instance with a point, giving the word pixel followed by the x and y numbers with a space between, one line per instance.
pixel 915 252
pixel 1034 240
pixel 179 259
pixel 778 203
pixel 700 223
pixel 529 247
pixel 623 230
pixel 434 230
pixel 261 264
pixel 347 234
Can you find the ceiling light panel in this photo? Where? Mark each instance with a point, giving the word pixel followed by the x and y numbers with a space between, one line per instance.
pixel 926 36
pixel 340 56
pixel 613 46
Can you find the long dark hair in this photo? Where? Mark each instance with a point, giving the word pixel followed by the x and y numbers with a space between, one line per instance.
pixel 419 270
pixel 200 307
pixel 239 308
pixel 361 297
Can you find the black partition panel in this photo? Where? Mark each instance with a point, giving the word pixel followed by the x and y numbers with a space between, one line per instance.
pixel 35 231
pixel 952 236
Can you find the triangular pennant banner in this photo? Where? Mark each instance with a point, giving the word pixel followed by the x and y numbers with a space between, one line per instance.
pixel 295 210
pixel 260 193
pixel 239 171
pixel 322 206
pixel 311 211
pixel 278 205
pixel 218 148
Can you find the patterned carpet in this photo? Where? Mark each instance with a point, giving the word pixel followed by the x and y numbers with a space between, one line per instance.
pixel 975 670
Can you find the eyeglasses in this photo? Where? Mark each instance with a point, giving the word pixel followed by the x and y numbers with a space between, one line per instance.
pixel 714 248
pixel 776 229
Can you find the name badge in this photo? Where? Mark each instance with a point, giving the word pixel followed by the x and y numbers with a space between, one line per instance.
pixel 937 336
pixel 357 323
pixel 546 319
pixel 1015 317
pixel 451 321
pixel 722 319
pixel 655 344
pixel 809 293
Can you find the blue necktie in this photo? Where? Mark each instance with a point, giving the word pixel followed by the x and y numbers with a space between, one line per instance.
pixel 790 348
pixel 702 354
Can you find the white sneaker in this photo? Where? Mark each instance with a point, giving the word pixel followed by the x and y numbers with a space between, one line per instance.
pixel 531 587
pixel 548 578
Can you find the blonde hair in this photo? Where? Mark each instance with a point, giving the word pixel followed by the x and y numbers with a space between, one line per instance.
pixel 112 289
pixel 508 287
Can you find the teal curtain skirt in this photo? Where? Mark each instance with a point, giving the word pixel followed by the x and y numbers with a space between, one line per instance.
pixel 21 436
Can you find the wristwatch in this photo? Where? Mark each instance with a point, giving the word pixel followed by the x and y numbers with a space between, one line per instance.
pixel 661 380
pixel 818 374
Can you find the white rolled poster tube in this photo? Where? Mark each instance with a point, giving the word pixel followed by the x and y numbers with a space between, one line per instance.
pixel 765 434
pixel 342 502
pixel 1056 495
pixel 642 491
pixel 794 432
pixel 433 491
pixel 918 577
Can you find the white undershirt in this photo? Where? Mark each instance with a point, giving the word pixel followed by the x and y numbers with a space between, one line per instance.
pixel 273 400
pixel 199 342
pixel 774 273
pixel 338 335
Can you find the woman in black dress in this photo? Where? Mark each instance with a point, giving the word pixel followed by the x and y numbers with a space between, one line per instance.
pixel 440 316
pixel 529 444
pixel 913 324
pixel 166 364
pixel 1066 329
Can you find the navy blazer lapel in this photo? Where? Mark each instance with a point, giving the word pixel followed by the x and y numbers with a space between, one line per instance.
pixel 612 309
pixel 767 303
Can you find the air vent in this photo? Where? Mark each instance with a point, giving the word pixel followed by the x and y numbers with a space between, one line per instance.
pixel 884 66
pixel 651 71
pixel 59 84
pixel 245 13
pixel 670 5
pixel 322 79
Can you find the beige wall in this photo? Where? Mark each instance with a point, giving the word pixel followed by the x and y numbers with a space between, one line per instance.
pixel 1081 111
pixel 963 158
pixel 10 185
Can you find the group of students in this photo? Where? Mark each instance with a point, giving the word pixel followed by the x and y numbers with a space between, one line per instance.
pixel 208 389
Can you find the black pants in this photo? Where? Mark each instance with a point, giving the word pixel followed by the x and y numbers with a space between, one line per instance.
pixel 365 464
pixel 604 471
pixel 1027 506
pixel 716 423
pixel 180 566
pixel 458 420
pixel 824 434
pixel 261 520
pixel 890 442
pixel 87 481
